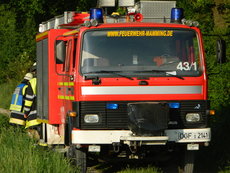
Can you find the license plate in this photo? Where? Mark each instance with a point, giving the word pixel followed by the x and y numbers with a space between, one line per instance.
pixel 193 135
pixel 189 135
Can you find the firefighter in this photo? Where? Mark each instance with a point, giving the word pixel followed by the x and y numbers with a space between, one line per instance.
pixel 30 111
pixel 17 102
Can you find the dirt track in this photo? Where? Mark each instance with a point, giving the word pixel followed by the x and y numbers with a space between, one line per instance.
pixel 4 111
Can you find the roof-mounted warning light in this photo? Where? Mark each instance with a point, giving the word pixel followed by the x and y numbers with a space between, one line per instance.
pixel 176 15
pixel 190 22
pixel 96 14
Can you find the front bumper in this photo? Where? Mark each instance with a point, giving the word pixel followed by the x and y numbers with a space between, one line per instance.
pixel 117 136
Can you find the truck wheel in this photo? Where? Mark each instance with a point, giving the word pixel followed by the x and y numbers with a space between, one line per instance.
pixel 188 165
pixel 77 158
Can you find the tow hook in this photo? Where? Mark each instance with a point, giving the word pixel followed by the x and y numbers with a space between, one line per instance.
pixel 116 147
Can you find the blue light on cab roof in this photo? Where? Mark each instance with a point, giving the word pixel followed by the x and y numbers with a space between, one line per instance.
pixel 176 15
pixel 174 105
pixel 112 106
pixel 96 13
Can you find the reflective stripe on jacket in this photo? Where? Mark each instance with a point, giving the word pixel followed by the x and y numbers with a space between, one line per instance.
pixel 30 107
pixel 30 96
pixel 17 100
pixel 17 118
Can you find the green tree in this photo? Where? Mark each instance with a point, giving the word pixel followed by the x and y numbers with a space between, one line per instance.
pixel 8 41
pixel 214 16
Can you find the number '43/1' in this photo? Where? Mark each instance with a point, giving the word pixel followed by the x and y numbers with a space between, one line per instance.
pixel 186 66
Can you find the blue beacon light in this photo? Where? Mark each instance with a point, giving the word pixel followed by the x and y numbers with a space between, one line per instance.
pixel 96 14
pixel 174 105
pixel 112 106
pixel 176 15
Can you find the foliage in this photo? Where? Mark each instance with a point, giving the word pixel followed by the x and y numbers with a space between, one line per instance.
pixel 141 170
pixel 218 74
pixel 85 5
pixel 198 10
pixel 8 40
pixel 6 93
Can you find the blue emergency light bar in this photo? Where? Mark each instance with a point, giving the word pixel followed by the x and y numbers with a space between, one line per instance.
pixel 176 15
pixel 96 14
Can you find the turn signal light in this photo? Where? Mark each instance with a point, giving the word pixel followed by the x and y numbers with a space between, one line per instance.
pixel 212 112
pixel 72 114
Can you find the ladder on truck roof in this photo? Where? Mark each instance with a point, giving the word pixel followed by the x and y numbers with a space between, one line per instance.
pixel 69 17
pixel 153 11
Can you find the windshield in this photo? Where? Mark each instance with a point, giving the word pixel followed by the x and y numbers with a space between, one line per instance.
pixel 140 52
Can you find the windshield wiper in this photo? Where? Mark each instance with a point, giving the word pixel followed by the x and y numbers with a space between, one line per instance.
pixel 173 73
pixel 112 72
pixel 169 73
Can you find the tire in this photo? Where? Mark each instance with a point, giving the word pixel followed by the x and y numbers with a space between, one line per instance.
pixel 78 158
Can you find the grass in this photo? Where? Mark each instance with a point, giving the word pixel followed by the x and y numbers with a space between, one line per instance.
pixel 20 154
pixel 142 170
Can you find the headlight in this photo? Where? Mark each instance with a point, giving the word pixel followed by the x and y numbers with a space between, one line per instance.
pixel 192 117
pixel 91 118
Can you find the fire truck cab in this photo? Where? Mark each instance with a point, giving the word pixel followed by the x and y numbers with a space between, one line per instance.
pixel 135 85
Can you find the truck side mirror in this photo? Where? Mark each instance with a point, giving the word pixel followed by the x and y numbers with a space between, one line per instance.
pixel 60 51
pixel 221 51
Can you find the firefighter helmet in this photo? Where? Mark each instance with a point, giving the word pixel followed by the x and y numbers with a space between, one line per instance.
pixel 28 76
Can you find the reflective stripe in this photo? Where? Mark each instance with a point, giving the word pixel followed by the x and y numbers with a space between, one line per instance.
pixel 26 109
pixel 33 83
pixel 71 84
pixel 71 97
pixel 61 97
pixel 17 113
pixel 43 121
pixel 43 144
pixel 66 83
pixel 39 36
pixel 66 97
pixel 71 32
pixel 15 107
pixel 17 98
pixel 111 90
pixel 33 112
pixel 28 103
pixel 30 97
pixel 17 121
pixel 24 89
pixel 32 123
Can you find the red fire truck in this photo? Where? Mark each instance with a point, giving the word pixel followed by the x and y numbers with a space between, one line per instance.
pixel 131 85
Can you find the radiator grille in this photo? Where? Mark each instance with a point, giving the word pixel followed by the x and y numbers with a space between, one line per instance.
pixel 118 118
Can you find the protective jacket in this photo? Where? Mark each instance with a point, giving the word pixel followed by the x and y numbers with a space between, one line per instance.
pixel 30 107
pixel 17 103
